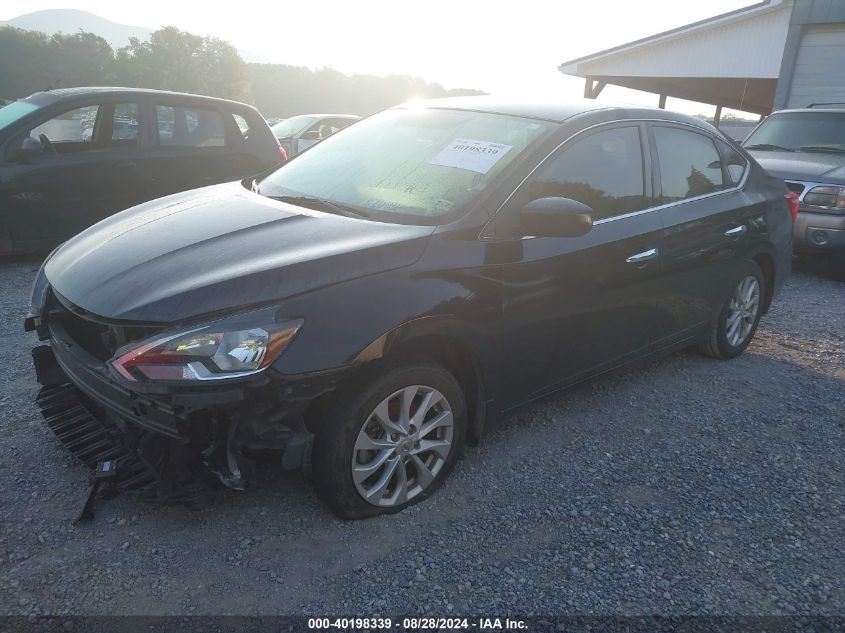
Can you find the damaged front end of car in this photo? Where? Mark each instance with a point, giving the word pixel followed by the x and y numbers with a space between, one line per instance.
pixel 179 410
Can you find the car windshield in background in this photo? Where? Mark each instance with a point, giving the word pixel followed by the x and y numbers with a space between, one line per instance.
pixel 416 163
pixel 15 111
pixel 800 132
pixel 292 126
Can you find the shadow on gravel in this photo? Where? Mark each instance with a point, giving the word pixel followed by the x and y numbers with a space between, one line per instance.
pixel 26 258
pixel 818 266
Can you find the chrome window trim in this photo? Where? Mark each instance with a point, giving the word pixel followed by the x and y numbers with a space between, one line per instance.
pixel 660 207
pixel 632 214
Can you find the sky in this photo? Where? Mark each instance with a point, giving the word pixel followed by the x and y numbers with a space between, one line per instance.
pixel 499 47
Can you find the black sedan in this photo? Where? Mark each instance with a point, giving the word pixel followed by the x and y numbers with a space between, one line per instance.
pixel 69 158
pixel 367 308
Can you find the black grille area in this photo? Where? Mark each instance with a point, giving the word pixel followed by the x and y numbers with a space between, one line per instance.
pixel 69 414
pixel 98 339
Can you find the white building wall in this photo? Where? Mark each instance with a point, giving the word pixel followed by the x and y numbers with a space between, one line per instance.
pixel 750 45
pixel 819 75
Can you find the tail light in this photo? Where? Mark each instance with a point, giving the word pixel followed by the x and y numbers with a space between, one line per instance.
pixel 283 155
pixel 792 203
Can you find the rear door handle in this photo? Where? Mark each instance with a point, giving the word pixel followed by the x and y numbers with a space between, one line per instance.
pixel 643 257
pixel 737 230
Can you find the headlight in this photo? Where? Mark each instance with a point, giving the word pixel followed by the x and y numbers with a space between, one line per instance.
pixel 229 348
pixel 826 197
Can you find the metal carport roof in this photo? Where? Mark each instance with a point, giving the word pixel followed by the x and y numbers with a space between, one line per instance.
pixel 731 60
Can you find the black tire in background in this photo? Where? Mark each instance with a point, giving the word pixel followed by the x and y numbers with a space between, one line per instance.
pixel 717 345
pixel 352 407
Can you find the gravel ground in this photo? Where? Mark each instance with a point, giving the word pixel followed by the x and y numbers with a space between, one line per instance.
pixel 685 486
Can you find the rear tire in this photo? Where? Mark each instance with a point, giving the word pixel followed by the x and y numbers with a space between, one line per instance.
pixel 739 317
pixel 389 440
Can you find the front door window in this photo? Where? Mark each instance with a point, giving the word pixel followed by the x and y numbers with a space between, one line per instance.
pixel 71 131
pixel 87 128
pixel 603 170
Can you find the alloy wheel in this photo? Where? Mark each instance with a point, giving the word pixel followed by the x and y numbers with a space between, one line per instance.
pixel 402 446
pixel 742 312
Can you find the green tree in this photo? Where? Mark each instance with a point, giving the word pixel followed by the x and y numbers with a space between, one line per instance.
pixel 281 91
pixel 39 61
pixel 81 59
pixel 177 60
pixel 180 61
pixel 25 68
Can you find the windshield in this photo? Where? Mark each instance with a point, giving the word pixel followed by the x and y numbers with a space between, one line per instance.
pixel 800 131
pixel 292 126
pixel 416 163
pixel 14 111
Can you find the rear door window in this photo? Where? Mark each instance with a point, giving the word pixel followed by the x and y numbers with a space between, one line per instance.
pixel 603 170
pixel 190 127
pixel 126 126
pixel 690 166
pixel 243 125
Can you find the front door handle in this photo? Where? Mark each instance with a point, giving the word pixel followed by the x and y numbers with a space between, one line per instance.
pixel 645 256
pixel 737 230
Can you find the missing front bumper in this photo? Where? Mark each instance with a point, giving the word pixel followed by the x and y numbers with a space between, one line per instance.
pixel 171 452
pixel 69 416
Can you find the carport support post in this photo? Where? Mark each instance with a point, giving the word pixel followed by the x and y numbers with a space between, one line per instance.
pixel 662 103
pixel 718 117
pixel 591 91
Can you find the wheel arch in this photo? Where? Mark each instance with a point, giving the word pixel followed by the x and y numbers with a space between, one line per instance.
pixel 458 358
pixel 444 340
pixel 766 262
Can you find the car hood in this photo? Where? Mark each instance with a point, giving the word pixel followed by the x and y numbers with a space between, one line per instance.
pixel 217 249
pixel 804 166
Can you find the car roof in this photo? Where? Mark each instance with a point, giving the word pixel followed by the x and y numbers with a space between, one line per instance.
pixel 324 116
pixel 67 94
pixel 839 110
pixel 556 111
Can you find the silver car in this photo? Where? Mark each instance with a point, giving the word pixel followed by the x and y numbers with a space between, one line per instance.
pixel 298 133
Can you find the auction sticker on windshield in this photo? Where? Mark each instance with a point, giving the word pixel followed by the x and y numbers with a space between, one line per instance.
pixel 477 156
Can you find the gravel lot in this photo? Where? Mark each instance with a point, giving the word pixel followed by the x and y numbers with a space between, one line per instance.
pixel 685 486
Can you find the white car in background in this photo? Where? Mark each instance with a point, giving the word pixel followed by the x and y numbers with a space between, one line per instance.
pixel 298 133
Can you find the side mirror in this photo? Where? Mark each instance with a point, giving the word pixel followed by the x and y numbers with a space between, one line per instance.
pixel 29 148
pixel 556 217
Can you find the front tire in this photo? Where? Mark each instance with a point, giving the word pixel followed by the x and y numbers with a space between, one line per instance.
pixel 390 440
pixel 739 317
